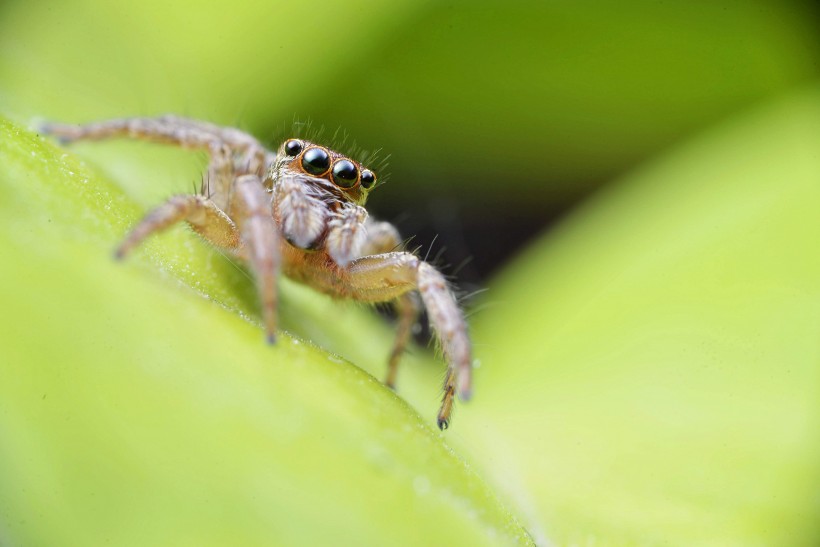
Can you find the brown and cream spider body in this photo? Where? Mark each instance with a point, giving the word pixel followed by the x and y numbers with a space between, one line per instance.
pixel 299 210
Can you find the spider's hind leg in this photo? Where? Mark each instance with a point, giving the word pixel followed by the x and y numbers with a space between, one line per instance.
pixel 407 308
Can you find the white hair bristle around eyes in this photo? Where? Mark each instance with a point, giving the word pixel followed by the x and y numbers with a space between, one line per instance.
pixel 339 141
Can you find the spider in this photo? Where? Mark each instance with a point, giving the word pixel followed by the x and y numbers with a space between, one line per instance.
pixel 299 210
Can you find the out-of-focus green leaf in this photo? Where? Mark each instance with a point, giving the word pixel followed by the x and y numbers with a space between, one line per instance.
pixel 530 103
pixel 651 369
pixel 524 103
pixel 90 58
pixel 135 412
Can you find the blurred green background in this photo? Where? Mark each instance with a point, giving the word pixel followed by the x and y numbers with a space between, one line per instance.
pixel 636 183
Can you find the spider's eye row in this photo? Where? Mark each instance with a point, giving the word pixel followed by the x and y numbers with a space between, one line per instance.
pixel 368 179
pixel 316 161
pixel 293 147
pixel 345 173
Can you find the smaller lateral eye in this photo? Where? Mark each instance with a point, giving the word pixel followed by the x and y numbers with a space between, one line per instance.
pixel 368 179
pixel 293 147
pixel 315 161
pixel 345 174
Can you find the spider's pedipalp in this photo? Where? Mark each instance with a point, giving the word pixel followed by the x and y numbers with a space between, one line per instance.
pixel 346 234
pixel 302 216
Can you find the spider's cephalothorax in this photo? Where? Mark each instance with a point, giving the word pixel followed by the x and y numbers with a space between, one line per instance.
pixel 318 199
pixel 299 210
pixel 338 175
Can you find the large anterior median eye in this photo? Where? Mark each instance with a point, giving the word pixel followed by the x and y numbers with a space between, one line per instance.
pixel 293 147
pixel 368 179
pixel 316 161
pixel 345 174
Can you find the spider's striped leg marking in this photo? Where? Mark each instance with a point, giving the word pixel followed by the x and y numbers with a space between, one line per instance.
pixel 260 237
pixel 384 277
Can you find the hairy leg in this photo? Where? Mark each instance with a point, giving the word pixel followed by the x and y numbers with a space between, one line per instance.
pixel 388 276
pixel 232 152
pixel 407 308
pixel 260 235
pixel 203 216
pixel 382 237
pixel 254 237
pixel 169 129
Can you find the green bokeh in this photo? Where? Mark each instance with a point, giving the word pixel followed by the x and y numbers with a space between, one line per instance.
pixel 653 366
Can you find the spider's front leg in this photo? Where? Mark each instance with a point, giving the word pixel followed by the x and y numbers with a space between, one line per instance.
pixel 382 237
pixel 385 277
pixel 202 214
pixel 253 237
pixel 253 213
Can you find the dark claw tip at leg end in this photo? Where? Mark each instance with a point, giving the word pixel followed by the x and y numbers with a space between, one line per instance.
pixel 465 394
pixel 48 129
pixel 443 424
pixel 61 140
pixel 270 339
pixel 119 254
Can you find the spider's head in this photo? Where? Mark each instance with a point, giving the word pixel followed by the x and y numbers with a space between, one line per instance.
pixel 336 173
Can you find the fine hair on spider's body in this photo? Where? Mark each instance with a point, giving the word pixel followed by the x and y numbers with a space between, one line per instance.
pixel 299 210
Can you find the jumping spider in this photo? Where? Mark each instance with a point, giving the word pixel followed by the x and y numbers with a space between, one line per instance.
pixel 298 210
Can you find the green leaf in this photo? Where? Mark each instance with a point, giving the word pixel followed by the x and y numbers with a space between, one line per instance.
pixel 651 368
pixel 139 404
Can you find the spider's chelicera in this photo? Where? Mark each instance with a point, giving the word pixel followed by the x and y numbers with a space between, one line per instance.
pixel 299 210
